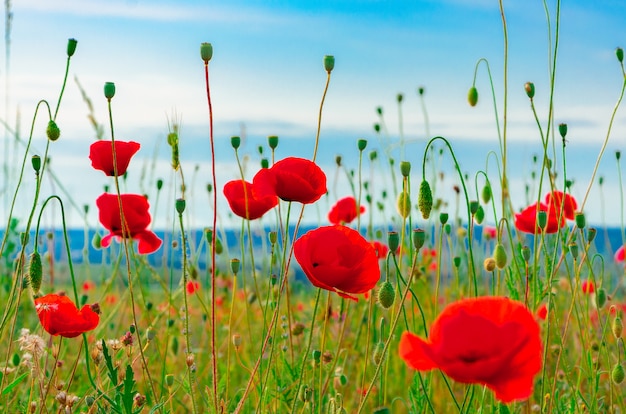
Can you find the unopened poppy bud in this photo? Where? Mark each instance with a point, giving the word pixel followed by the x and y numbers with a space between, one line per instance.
pixel 35 272
pixel 206 51
pixel 169 380
pixel 36 161
pixel 617 327
pixel 96 242
pixel 52 131
pixel 265 163
pixel 456 261
pixel 600 298
pixel 529 87
pixel 580 220
pixel 617 374
pixel 361 144
pixel 473 205
pixel 447 228
pixel 180 205
pixel 109 90
pixel 472 96
pixel 526 253
pixel 273 237
pixel 159 184
pixel 479 216
pixel 386 294
pixel 272 141
pixel 573 249
pixel 399 97
pixel 419 237
pixel 404 204
pixel 542 219
pixel 235 142
pixel 591 234
pixel 377 128
pixel 71 47
pixel 377 355
pixel 425 199
pixel 619 52
pixel 234 266
pixel 405 168
pixel 489 264
pixel 340 381
pixel 219 248
pixel 393 241
pixel 421 90
pixel 618 155
pixel 373 155
pixel 563 130
pixel 485 194
pixel 499 254
pixel 379 110
pixel 329 63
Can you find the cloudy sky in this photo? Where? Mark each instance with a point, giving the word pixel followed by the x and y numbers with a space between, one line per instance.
pixel 267 79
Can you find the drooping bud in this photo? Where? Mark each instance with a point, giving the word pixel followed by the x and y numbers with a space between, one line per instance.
pixel 529 87
pixel 485 194
pixel 480 215
pixel 35 272
pixel 600 298
pixel 329 63
pixel 425 199
pixel 109 90
pixel 472 96
pixel 52 131
pixel 206 51
pixel 499 254
pixel 404 204
pixel 386 294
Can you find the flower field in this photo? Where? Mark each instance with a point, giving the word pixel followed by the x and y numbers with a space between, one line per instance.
pixel 398 299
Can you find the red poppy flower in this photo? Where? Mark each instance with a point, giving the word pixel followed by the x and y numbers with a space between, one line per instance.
pixel 88 286
pixel 490 232
pixel 344 211
pixel 620 254
pixel 246 202
pixel 339 259
pixel 588 287
pixel 492 341
pixel 292 179
pixel 558 198
pixel 381 249
pixel 137 219
pixel 192 286
pixel 101 156
pixel 526 221
pixel 542 312
pixel 60 316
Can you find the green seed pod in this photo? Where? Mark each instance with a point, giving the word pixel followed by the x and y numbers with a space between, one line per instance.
pixel 563 130
pixel 361 144
pixel 425 199
pixel 169 380
pixel 234 266
pixel 542 219
pixel 219 248
pixel 600 298
pixel 386 294
pixel 109 90
pixel 71 47
pixel 235 142
pixel 159 184
pixel 405 168
pixel 206 51
pixel 404 204
pixel 480 215
pixel 617 327
pixel 591 234
pixel 573 249
pixel 526 253
pixel 377 355
pixel 329 63
pixel 472 96
pixel 580 220
pixel 180 205
pixel 619 52
pixel 456 261
pixel 393 241
pixel 529 87
pixel 419 237
pixel 36 162
pixel 399 97
pixel 35 272
pixel 485 194
pixel 443 218
pixel 272 141
pixel 265 163
pixel 499 254
pixel 52 131
pixel 617 374
pixel 473 205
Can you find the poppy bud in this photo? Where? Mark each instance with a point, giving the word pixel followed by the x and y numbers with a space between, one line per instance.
pixel 35 272
pixel 206 51
pixel 456 261
pixel 405 168
pixel 272 141
pixel 542 219
pixel 180 205
pixel 419 237
pixel 235 142
pixel 169 380
pixel 71 47
pixel 617 327
pixel 404 204
pixel 499 254
pixel 52 131
pixel 393 241
pixel 618 155
pixel 379 110
pixel 159 184
pixel 526 253
pixel 420 91
pixel 219 248
pixel 425 199
pixel 361 144
pixel 36 161
pixel 563 130
pixel 619 52
pixel 329 63
pixel 377 355
pixel 373 155
pixel 529 87
pixel 479 216
pixel 489 264
pixel 485 194
pixel 386 294
pixel 338 160
pixel 580 220
pixel 340 381
pixel 573 249
pixel 617 374
pixel 273 236
pixel 472 96
pixel 109 90
pixel 473 206
pixel 591 234
pixel 96 242
pixel 234 266
pixel 600 298
pixel 377 128
pixel 399 97
pixel 447 228
pixel 265 163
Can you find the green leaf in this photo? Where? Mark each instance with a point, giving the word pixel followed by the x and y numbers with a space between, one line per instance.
pixel 14 383
pixel 128 390
pixel 112 371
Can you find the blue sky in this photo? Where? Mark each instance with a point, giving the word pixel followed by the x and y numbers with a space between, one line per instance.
pixel 267 74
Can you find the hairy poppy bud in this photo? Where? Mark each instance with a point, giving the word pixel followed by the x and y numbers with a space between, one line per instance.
pixel 206 51
pixel 617 327
pixel 35 272
pixel 71 47
pixel 329 63
pixel 404 204
pixel 499 254
pixel 52 131
pixel 386 294
pixel 425 199
pixel 489 264
pixel 617 374
pixel 472 96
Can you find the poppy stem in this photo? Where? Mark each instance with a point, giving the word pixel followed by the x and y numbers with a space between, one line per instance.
pixel 319 117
